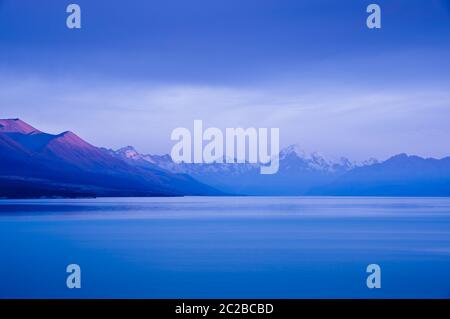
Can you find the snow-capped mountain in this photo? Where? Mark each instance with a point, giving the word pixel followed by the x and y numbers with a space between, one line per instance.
pixel 314 160
pixel 34 163
pixel 292 157
pixel 299 171
pixel 129 152
pixel 318 161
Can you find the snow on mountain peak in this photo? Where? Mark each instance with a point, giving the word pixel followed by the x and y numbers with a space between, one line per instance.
pixel 316 160
pixel 368 162
pixel 293 149
pixel 129 152
pixel 292 156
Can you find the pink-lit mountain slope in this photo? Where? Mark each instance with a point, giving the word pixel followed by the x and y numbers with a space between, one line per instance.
pixel 54 165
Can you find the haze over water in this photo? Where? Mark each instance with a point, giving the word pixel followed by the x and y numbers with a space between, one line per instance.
pixel 218 247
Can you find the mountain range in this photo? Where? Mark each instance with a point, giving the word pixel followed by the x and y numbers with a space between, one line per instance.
pixel 304 173
pixel 299 172
pixel 37 164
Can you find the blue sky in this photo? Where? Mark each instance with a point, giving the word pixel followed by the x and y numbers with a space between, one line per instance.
pixel 138 69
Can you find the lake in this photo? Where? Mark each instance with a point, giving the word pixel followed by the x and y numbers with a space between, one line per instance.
pixel 225 247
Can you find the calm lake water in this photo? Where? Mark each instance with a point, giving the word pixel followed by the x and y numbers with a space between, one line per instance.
pixel 241 247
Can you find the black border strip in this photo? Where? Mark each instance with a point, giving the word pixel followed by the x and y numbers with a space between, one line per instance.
pixel 282 308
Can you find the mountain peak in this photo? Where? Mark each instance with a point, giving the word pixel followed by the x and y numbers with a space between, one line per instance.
pixel 316 160
pixel 127 148
pixel 67 134
pixel 129 152
pixel 401 156
pixel 16 126
pixel 293 149
pixel 296 150
pixel 70 138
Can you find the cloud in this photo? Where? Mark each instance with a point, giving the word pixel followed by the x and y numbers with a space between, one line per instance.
pixel 339 120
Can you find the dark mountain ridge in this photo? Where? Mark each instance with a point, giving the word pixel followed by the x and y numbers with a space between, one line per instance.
pixel 48 165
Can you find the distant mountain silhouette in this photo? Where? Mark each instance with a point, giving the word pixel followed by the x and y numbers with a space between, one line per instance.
pixel 401 175
pixel 35 164
pixel 299 172
pixel 304 173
